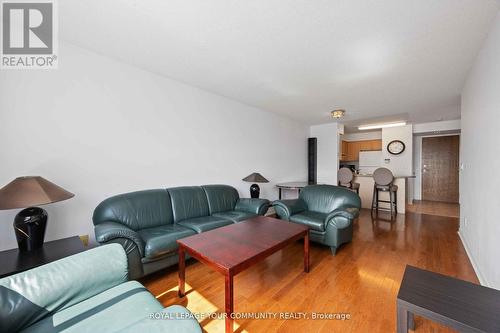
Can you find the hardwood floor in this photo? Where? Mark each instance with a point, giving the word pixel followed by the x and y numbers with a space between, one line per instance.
pixel 362 280
pixel 434 208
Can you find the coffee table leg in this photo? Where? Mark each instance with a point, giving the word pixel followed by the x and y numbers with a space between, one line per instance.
pixel 306 253
pixel 229 302
pixel 182 271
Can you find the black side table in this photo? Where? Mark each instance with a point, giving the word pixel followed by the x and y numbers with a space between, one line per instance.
pixel 13 261
pixel 461 305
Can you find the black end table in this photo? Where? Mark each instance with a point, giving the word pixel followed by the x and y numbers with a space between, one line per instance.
pixel 461 305
pixel 13 261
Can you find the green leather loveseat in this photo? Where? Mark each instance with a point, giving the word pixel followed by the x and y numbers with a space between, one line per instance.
pixel 148 223
pixel 86 292
pixel 328 211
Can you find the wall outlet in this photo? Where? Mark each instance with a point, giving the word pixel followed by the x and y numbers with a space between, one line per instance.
pixel 84 239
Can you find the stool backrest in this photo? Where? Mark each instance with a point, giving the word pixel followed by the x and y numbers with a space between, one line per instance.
pixel 344 176
pixel 383 176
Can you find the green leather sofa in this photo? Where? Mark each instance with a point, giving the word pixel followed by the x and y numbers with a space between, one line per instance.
pixel 328 211
pixel 86 292
pixel 148 223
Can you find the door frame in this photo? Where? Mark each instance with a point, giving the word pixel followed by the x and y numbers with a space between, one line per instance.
pixel 417 149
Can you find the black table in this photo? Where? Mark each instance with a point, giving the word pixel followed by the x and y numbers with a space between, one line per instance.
pixel 461 305
pixel 13 261
pixel 291 186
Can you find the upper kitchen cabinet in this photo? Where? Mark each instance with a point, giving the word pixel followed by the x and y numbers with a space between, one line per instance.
pixel 350 149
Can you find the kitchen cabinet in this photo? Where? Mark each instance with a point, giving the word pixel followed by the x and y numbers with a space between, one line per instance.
pixel 350 149
pixel 343 151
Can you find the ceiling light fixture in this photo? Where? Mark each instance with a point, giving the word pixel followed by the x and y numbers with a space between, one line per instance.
pixel 374 126
pixel 337 114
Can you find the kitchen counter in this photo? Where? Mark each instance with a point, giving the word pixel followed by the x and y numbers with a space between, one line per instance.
pixel 366 184
pixel 370 175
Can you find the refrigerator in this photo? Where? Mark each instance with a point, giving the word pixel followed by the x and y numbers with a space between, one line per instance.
pixel 369 161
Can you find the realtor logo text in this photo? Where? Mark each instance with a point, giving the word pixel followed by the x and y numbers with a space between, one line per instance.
pixel 29 35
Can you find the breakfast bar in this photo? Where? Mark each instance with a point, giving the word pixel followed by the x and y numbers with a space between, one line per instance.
pixel 366 190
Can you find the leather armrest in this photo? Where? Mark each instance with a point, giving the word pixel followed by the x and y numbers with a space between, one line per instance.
pixel 342 217
pixel 287 208
pixel 252 205
pixel 32 295
pixel 107 231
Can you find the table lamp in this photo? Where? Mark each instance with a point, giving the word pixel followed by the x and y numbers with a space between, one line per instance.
pixel 30 223
pixel 254 188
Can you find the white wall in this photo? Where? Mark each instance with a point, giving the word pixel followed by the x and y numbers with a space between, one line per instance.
pixel 437 126
pixel 99 127
pixel 480 153
pixel 328 151
pixel 372 135
pixel 400 165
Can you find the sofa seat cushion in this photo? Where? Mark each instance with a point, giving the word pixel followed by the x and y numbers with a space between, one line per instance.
pixel 161 240
pixel 205 223
pixel 115 309
pixel 314 220
pixel 235 215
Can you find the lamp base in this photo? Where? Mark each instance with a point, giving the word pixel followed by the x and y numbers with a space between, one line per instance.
pixel 254 191
pixel 29 226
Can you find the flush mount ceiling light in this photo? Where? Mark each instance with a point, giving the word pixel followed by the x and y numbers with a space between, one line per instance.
pixel 337 114
pixel 374 126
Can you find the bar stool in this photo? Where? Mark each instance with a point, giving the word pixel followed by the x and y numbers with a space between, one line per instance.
pixel 384 182
pixel 345 177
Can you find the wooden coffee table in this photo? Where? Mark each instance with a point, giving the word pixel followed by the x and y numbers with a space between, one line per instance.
pixel 233 248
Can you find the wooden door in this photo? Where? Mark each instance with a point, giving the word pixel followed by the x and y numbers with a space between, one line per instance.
pixel 440 167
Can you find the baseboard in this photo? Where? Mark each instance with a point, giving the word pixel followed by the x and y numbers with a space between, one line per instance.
pixel 480 276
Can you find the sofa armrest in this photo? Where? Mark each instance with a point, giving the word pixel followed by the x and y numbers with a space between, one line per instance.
pixel 287 208
pixel 252 205
pixel 342 217
pixel 107 231
pixel 30 296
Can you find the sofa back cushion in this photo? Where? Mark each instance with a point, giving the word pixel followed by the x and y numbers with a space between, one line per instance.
pixel 136 210
pixel 326 198
pixel 188 202
pixel 221 198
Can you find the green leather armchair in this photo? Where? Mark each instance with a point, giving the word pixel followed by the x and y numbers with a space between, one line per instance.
pixel 328 211
pixel 148 223
pixel 86 292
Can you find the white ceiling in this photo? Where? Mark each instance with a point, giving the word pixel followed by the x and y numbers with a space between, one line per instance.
pixel 384 59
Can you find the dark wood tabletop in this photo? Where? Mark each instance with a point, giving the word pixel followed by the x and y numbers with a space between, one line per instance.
pixel 13 261
pixel 234 246
pixel 459 304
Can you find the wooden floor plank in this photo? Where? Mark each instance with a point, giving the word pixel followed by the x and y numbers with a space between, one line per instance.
pixel 362 279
